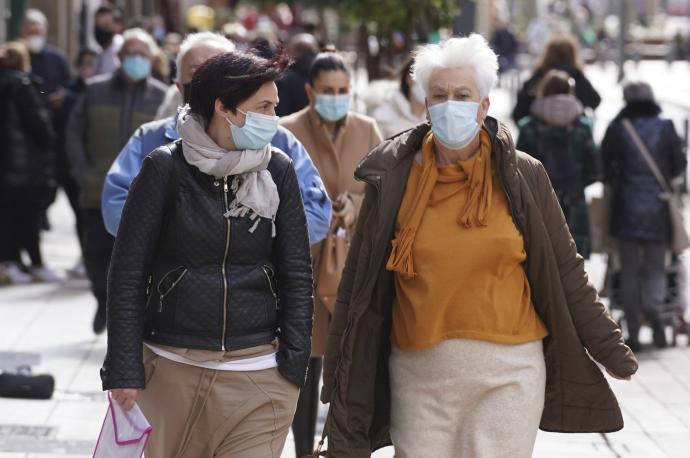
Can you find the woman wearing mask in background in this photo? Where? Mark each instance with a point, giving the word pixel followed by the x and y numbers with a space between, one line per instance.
pixel 464 311
pixel 560 53
pixel 405 107
pixel 27 168
pixel 559 135
pixel 337 139
pixel 215 231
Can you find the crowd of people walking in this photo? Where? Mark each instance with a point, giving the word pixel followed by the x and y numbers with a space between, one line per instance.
pixel 245 230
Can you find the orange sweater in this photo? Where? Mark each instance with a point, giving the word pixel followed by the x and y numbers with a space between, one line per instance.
pixel 470 281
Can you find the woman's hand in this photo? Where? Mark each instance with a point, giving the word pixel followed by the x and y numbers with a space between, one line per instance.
pixel 125 397
pixel 616 376
pixel 344 208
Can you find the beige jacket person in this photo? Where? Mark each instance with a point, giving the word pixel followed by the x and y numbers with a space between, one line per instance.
pixel 336 160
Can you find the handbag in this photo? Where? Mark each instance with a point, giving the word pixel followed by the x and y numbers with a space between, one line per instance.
pixel 331 264
pixel 124 434
pixel 680 240
pixel 599 208
pixel 25 385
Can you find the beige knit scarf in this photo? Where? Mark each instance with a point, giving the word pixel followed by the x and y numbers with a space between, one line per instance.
pixel 256 194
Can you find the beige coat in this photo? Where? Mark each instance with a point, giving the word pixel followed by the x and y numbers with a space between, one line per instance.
pixel 336 162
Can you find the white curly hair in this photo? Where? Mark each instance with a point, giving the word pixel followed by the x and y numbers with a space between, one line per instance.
pixel 458 52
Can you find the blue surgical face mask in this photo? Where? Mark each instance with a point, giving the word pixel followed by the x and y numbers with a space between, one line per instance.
pixel 332 107
pixel 257 132
pixel 454 123
pixel 136 67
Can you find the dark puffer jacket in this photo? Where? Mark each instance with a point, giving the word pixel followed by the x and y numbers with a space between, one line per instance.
pixel 584 91
pixel 636 210
pixel 27 159
pixel 183 275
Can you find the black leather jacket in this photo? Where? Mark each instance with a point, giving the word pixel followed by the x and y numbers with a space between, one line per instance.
pixel 183 275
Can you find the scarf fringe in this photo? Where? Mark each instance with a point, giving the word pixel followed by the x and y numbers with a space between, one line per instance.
pixel 474 214
pixel 241 212
pixel 401 259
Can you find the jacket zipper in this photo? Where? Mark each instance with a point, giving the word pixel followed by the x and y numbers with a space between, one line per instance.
pixel 222 267
pixel 162 296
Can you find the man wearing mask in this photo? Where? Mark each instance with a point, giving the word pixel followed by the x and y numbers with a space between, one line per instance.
pixel 107 36
pixel 103 119
pixel 47 62
pixel 194 51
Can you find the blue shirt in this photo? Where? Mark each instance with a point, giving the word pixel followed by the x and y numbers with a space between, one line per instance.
pixel 154 134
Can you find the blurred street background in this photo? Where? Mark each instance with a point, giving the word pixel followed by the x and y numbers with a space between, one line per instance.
pixel 619 40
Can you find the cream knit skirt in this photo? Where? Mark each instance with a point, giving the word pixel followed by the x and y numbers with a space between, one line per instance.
pixel 467 399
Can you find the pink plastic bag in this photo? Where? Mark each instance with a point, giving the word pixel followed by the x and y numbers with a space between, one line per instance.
pixel 124 434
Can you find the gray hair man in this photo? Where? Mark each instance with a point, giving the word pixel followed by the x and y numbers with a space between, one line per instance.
pixel 47 62
pixel 105 116
pixel 194 51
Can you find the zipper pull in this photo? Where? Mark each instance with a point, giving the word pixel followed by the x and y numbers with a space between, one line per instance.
pixel 225 185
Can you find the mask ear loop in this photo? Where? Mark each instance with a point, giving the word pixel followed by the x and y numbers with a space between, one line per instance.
pixel 245 116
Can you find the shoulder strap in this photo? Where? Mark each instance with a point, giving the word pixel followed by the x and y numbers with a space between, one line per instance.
pixel 647 155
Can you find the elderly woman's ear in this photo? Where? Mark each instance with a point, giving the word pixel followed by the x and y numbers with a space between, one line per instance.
pixel 483 111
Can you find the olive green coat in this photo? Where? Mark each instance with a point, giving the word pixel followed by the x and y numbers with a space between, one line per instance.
pixel 356 379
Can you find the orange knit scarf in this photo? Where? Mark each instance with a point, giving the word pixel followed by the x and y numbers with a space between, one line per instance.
pixel 474 214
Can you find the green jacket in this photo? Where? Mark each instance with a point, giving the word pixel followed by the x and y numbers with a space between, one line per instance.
pixel 103 119
pixel 356 379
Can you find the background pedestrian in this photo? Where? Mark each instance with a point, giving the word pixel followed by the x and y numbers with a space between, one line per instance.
pixel 639 219
pixel 559 135
pixel 336 138
pixel 105 116
pixel 27 168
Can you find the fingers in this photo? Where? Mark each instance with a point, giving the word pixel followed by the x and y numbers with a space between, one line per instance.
pixel 125 398
pixel 129 403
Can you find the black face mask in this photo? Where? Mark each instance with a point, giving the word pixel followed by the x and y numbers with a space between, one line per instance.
pixel 103 37
pixel 186 92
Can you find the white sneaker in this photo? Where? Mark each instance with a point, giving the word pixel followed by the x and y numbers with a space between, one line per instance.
pixel 44 275
pixel 11 274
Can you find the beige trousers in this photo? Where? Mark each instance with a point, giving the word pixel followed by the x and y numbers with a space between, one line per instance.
pixel 197 412
pixel 467 399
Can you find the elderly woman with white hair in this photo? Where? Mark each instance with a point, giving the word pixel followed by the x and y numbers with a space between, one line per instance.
pixel 465 320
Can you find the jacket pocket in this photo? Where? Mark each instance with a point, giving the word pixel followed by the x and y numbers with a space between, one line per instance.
pixel 168 283
pixel 272 311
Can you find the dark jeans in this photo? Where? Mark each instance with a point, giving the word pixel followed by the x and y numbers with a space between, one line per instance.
pixel 98 246
pixel 20 230
pixel 643 282
pixel 304 423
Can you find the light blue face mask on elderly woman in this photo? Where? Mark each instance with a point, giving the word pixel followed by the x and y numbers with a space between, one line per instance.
pixel 454 123
pixel 257 132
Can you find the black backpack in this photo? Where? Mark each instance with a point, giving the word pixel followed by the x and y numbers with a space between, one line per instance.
pixel 555 151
